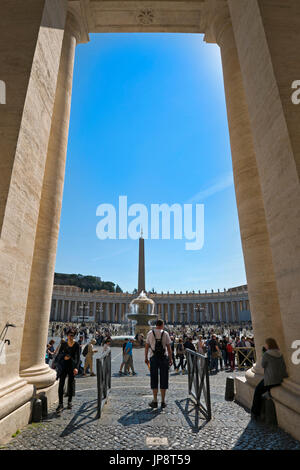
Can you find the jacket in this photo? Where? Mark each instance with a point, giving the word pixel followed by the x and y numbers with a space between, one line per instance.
pixel 274 367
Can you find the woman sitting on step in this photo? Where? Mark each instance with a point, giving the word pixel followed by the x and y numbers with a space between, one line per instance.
pixel 274 373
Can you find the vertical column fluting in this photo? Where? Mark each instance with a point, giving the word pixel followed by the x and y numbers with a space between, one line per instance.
pixel 33 366
pixel 254 234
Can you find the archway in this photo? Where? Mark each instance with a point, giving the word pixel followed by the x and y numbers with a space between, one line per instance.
pixel 263 123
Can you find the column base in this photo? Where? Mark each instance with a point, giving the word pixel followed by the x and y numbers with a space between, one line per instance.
pixel 14 395
pixel 286 401
pixel 41 376
pixel 21 417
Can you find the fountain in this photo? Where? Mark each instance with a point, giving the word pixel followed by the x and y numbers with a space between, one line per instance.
pixel 140 308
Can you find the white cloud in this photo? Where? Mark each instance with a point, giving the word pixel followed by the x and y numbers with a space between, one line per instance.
pixel 226 181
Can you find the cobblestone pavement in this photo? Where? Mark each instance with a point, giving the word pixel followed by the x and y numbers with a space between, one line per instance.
pixel 127 421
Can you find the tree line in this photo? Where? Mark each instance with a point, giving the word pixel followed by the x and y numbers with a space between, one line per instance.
pixel 85 282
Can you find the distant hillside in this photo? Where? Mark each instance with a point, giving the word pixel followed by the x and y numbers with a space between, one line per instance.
pixel 85 282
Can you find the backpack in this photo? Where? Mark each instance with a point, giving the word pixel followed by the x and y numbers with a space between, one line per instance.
pixel 159 350
pixel 85 351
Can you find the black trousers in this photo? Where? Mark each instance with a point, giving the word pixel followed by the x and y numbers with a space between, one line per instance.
pixel 161 365
pixel 66 371
pixel 181 362
pixel 260 389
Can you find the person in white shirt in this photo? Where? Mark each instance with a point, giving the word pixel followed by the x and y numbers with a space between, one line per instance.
pixel 158 344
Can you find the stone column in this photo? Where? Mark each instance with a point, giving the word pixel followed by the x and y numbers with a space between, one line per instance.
pixel 274 35
pixel 169 313
pixel 271 46
pixel 175 312
pixel 213 312
pixel 254 234
pixel 69 310
pixel 62 317
pixel 31 35
pixel 226 312
pixel 33 367
pixel 56 309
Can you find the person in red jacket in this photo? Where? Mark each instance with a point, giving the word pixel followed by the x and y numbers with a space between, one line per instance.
pixel 230 353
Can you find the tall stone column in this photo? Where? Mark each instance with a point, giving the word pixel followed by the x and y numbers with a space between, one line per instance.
pixel 56 310
pixel 274 35
pixel 226 312
pixel 31 35
pixel 69 311
pixel 169 313
pixel 32 366
pixel 271 46
pixel 254 234
pixel 213 312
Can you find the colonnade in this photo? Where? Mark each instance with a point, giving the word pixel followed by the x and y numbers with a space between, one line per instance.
pixel 259 43
pixel 70 309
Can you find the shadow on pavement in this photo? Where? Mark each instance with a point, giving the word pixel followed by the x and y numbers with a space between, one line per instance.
pixel 85 415
pixel 139 417
pixel 192 414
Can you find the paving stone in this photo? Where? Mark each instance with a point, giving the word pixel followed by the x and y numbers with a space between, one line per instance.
pixel 127 420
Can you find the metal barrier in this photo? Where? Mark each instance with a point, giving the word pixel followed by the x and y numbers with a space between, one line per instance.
pixel 103 368
pixel 245 357
pixel 198 381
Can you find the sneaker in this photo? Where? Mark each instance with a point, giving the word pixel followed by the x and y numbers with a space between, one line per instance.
pixel 59 408
pixel 134 373
pixel 92 374
pixel 70 405
pixel 153 404
pixel 163 404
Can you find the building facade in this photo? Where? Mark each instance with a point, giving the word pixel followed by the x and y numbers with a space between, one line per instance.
pixel 72 304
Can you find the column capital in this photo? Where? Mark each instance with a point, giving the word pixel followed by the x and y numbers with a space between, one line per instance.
pixel 215 19
pixel 76 22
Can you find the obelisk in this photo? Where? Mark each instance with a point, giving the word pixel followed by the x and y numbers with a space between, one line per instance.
pixel 141 280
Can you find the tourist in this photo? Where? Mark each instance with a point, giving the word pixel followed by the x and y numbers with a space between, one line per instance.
pixel 89 352
pixel 274 373
pixel 158 344
pixel 180 355
pixel 106 344
pixel 188 344
pixel 201 345
pixel 125 358
pixel 230 354
pixel 129 357
pixel 173 351
pixel 214 352
pixel 69 357
pixel 50 351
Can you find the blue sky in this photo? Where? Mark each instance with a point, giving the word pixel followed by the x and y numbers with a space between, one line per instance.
pixel 148 121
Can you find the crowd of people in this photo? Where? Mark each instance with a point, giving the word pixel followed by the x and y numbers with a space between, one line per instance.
pixel 225 346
